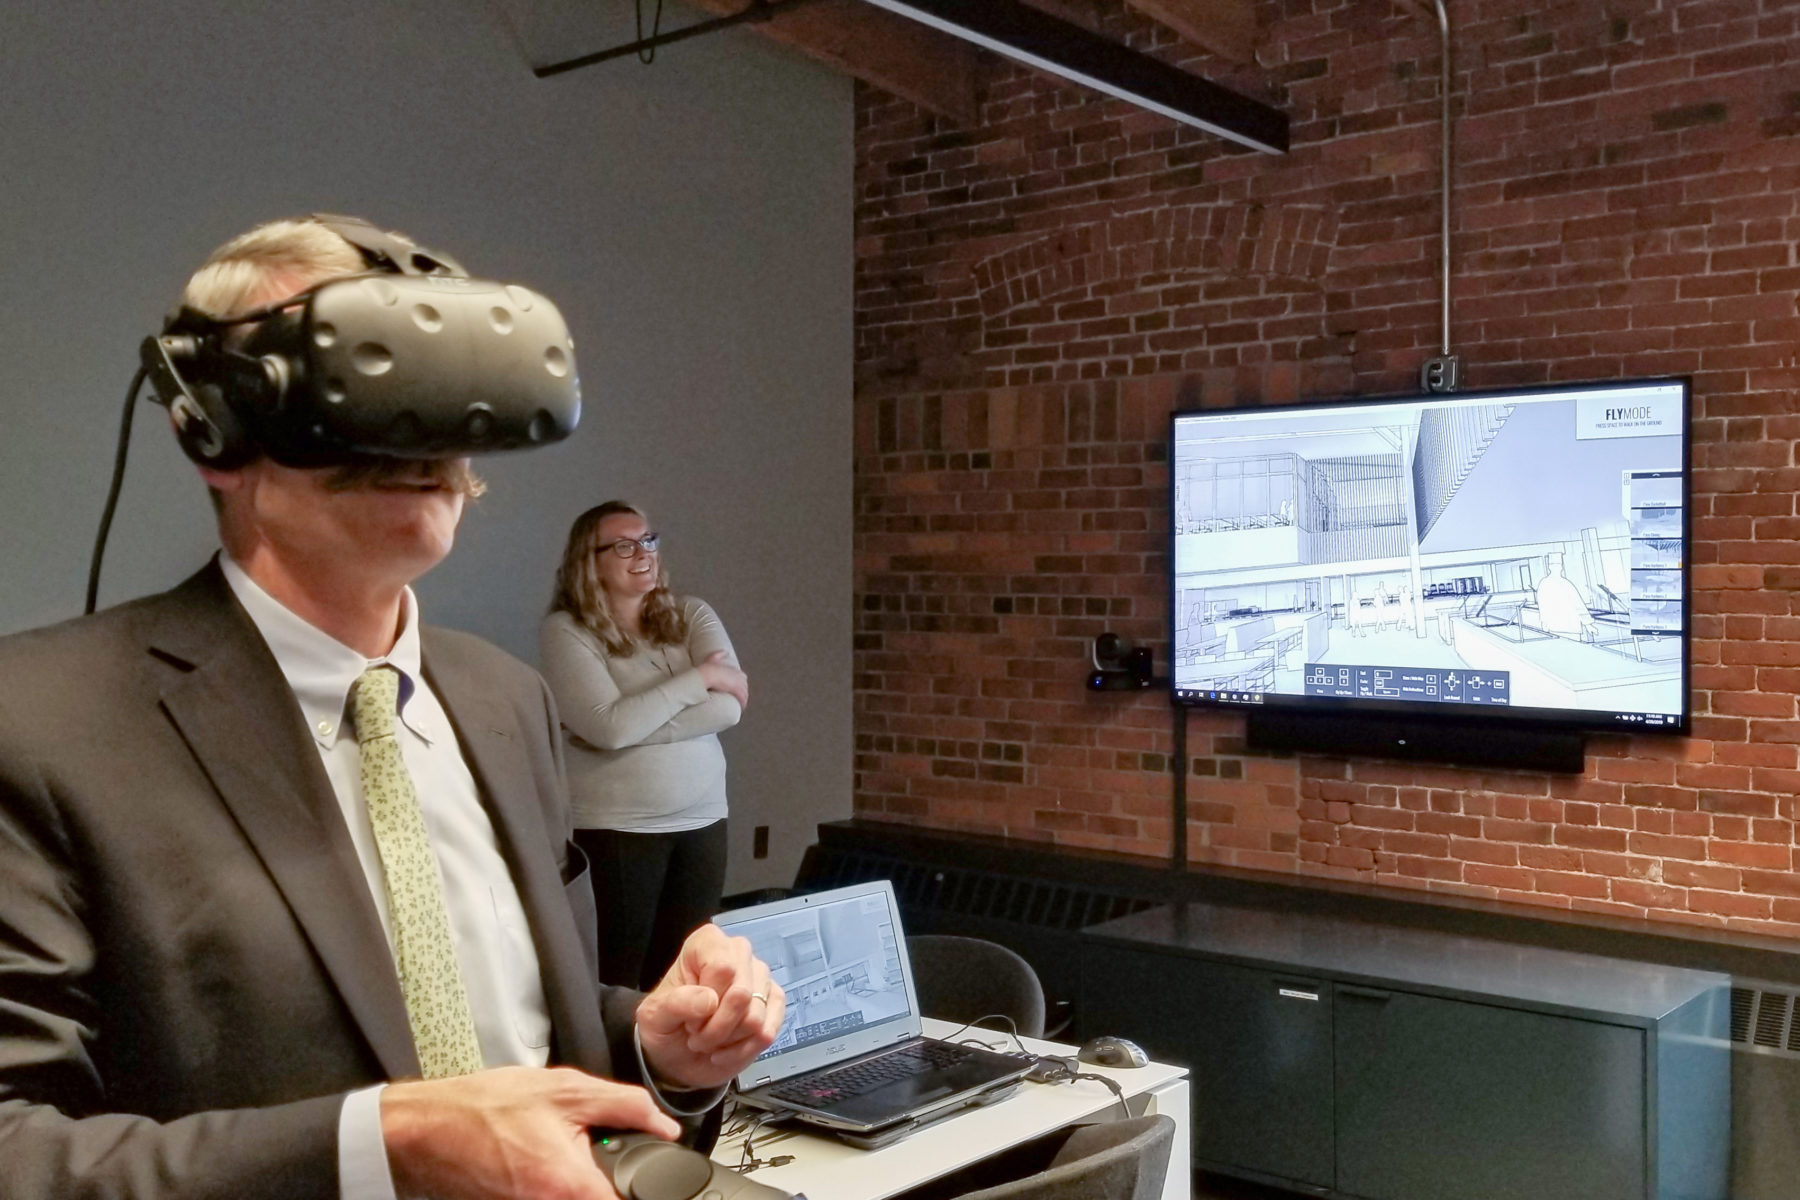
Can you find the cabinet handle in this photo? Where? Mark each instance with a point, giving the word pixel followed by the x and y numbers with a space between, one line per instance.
pixel 1294 993
pixel 1369 994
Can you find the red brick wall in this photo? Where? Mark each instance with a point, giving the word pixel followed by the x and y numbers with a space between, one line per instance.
pixel 1034 297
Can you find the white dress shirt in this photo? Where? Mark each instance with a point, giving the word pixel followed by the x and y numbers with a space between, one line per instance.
pixel 488 925
pixel 487 922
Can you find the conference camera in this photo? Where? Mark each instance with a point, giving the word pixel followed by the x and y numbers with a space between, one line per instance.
pixel 1120 666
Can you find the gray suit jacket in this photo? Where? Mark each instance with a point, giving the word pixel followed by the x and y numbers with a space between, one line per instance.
pixel 192 973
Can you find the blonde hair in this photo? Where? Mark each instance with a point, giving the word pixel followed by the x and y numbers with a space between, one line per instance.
pixel 266 264
pixel 579 593
pixel 272 262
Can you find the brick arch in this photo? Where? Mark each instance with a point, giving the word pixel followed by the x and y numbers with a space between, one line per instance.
pixel 1290 241
pixel 1156 292
pixel 1047 267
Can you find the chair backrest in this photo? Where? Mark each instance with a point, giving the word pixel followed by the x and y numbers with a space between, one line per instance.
pixel 964 978
pixel 1115 1160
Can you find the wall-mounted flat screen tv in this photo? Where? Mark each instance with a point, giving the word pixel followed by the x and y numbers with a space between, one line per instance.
pixel 1516 556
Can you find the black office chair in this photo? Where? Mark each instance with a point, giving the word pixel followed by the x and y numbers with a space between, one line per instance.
pixel 1116 1160
pixel 964 979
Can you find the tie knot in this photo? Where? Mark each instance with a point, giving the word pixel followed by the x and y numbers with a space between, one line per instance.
pixel 374 698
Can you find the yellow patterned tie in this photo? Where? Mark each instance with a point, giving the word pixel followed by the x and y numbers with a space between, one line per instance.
pixel 437 1003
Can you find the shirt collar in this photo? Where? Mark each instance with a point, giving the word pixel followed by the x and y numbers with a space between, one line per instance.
pixel 320 669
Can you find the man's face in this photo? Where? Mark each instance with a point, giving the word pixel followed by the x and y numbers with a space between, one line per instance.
pixel 388 520
pixel 383 521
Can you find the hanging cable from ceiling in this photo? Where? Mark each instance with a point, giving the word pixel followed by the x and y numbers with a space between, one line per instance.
pixel 647 54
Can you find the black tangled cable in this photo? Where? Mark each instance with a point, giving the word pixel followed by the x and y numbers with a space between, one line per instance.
pixel 747 1127
pixel 1070 1073
pixel 1011 1030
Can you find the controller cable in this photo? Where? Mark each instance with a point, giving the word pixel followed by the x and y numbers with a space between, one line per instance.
pixel 112 493
pixel 747 1128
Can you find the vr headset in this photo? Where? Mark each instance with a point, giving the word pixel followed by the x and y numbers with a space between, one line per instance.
pixel 411 359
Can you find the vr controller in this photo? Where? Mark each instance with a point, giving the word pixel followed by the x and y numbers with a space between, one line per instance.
pixel 642 1166
pixel 413 359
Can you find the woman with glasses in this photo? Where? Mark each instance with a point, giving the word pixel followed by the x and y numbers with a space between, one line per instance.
pixel 644 680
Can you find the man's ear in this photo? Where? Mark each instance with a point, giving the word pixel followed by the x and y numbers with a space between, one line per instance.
pixel 222 481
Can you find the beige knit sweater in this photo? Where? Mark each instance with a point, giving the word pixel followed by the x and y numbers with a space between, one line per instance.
pixel 642 730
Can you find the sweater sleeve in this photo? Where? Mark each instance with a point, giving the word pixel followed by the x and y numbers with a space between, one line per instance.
pixel 592 705
pixel 720 710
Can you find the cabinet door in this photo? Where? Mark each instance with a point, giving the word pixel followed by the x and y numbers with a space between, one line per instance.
pixel 1446 1100
pixel 1258 1046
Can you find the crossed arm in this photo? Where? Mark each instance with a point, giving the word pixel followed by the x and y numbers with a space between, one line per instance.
pixel 706 698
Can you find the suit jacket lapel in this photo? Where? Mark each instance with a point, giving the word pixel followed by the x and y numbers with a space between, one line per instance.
pixel 493 744
pixel 235 711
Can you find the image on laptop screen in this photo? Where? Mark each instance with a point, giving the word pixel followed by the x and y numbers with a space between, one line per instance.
pixel 839 964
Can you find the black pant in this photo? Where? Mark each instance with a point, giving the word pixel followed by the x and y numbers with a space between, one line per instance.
pixel 652 890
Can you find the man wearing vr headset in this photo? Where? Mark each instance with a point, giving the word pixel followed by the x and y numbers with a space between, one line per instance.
pixel 201 919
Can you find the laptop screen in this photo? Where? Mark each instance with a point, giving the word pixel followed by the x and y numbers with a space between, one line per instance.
pixel 841 958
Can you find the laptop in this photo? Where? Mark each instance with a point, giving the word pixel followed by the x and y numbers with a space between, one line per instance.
pixel 851 1057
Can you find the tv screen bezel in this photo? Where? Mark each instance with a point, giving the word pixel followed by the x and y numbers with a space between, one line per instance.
pixel 1466 715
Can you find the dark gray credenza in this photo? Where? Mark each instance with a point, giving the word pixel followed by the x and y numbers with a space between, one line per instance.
pixel 1342 1058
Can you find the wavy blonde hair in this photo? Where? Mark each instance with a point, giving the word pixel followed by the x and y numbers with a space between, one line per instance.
pixel 578 590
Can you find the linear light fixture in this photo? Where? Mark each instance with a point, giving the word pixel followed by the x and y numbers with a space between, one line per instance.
pixel 757 10
pixel 1020 32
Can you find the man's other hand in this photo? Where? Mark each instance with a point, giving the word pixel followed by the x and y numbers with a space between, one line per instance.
pixel 712 1014
pixel 513 1132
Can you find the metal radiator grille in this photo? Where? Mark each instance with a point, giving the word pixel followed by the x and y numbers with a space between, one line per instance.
pixel 963 891
pixel 1762 1019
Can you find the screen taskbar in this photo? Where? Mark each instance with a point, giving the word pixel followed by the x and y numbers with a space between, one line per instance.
pixel 1648 720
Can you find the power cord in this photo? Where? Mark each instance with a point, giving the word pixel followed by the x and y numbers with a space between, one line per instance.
pixel 1011 1030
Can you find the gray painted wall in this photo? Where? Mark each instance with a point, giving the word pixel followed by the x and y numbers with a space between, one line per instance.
pixel 692 219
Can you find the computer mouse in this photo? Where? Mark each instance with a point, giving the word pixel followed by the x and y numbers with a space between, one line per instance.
pixel 1111 1052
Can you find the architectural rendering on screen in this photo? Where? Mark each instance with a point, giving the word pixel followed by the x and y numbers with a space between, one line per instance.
pixel 1518 550
pixel 839 965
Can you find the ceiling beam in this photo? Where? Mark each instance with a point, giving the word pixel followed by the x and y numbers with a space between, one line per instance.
pixel 937 72
pixel 1225 27
pixel 1059 47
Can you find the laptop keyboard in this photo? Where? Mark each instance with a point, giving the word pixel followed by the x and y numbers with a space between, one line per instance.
pixel 841 1083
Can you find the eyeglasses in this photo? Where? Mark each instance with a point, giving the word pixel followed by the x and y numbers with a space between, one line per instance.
pixel 631 547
